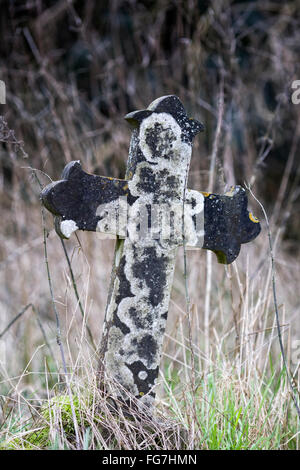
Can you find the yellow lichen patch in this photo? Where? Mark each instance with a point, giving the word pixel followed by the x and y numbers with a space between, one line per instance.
pixel 125 187
pixel 205 194
pixel 115 180
pixel 253 218
pixel 231 192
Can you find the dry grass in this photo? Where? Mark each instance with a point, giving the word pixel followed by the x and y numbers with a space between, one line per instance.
pixel 241 398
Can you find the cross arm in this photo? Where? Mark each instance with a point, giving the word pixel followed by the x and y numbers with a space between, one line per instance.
pixel 74 199
pixel 81 201
pixel 228 224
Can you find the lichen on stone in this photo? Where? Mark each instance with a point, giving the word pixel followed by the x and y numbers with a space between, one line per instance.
pixel 136 318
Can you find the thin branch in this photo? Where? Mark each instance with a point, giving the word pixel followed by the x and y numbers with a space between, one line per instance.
pixel 76 293
pixel 43 331
pixel 210 189
pixel 14 320
pixel 58 332
pixel 276 304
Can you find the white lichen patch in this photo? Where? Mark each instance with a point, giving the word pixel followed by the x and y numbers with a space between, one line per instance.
pixel 160 139
pixel 142 375
pixel 194 219
pixel 115 363
pixel 67 227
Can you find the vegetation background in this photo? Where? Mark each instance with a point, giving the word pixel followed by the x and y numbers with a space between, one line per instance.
pixel 72 70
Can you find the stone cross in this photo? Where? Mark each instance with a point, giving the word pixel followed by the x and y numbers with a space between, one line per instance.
pixel 152 213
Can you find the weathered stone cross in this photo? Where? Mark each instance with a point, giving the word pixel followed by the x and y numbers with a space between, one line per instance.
pixel 145 211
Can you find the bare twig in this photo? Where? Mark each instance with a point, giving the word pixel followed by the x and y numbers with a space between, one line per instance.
pixel 58 332
pixel 210 189
pixel 276 305
pixel 14 320
pixel 74 284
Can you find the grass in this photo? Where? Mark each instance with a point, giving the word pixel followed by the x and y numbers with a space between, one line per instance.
pixel 241 399
pixel 229 416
